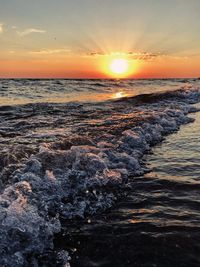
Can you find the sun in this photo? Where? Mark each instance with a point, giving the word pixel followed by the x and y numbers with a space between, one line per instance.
pixel 119 66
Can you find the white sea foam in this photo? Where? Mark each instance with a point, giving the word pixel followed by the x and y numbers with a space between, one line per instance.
pixel 68 181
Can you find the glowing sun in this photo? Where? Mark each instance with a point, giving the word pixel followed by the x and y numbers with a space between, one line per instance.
pixel 119 66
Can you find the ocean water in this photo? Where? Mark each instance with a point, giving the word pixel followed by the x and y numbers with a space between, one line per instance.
pixel 157 223
pixel 99 172
pixel 22 91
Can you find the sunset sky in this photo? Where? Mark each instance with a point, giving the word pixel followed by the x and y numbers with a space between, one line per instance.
pixel 79 38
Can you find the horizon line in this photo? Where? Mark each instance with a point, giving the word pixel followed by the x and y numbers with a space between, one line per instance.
pixel 106 78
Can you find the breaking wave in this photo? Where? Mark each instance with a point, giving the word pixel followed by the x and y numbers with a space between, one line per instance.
pixel 65 161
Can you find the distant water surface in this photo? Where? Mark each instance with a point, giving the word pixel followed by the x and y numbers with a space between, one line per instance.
pixel 22 91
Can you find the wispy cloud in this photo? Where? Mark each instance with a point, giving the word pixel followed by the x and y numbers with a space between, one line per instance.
pixel 29 31
pixel 51 51
pixel 1 28
pixel 143 55
pixel 146 56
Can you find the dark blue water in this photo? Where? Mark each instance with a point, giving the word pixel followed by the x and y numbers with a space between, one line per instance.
pixel 158 222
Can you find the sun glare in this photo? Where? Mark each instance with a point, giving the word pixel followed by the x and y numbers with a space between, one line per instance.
pixel 119 95
pixel 119 66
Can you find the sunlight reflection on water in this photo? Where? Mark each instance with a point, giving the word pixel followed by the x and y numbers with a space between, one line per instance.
pixel 119 95
pixel 22 91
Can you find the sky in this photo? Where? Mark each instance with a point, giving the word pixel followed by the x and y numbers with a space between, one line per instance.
pixel 79 38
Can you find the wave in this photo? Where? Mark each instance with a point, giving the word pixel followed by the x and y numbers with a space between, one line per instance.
pixel 79 173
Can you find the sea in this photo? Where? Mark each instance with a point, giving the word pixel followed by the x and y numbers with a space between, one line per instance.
pixel 100 172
